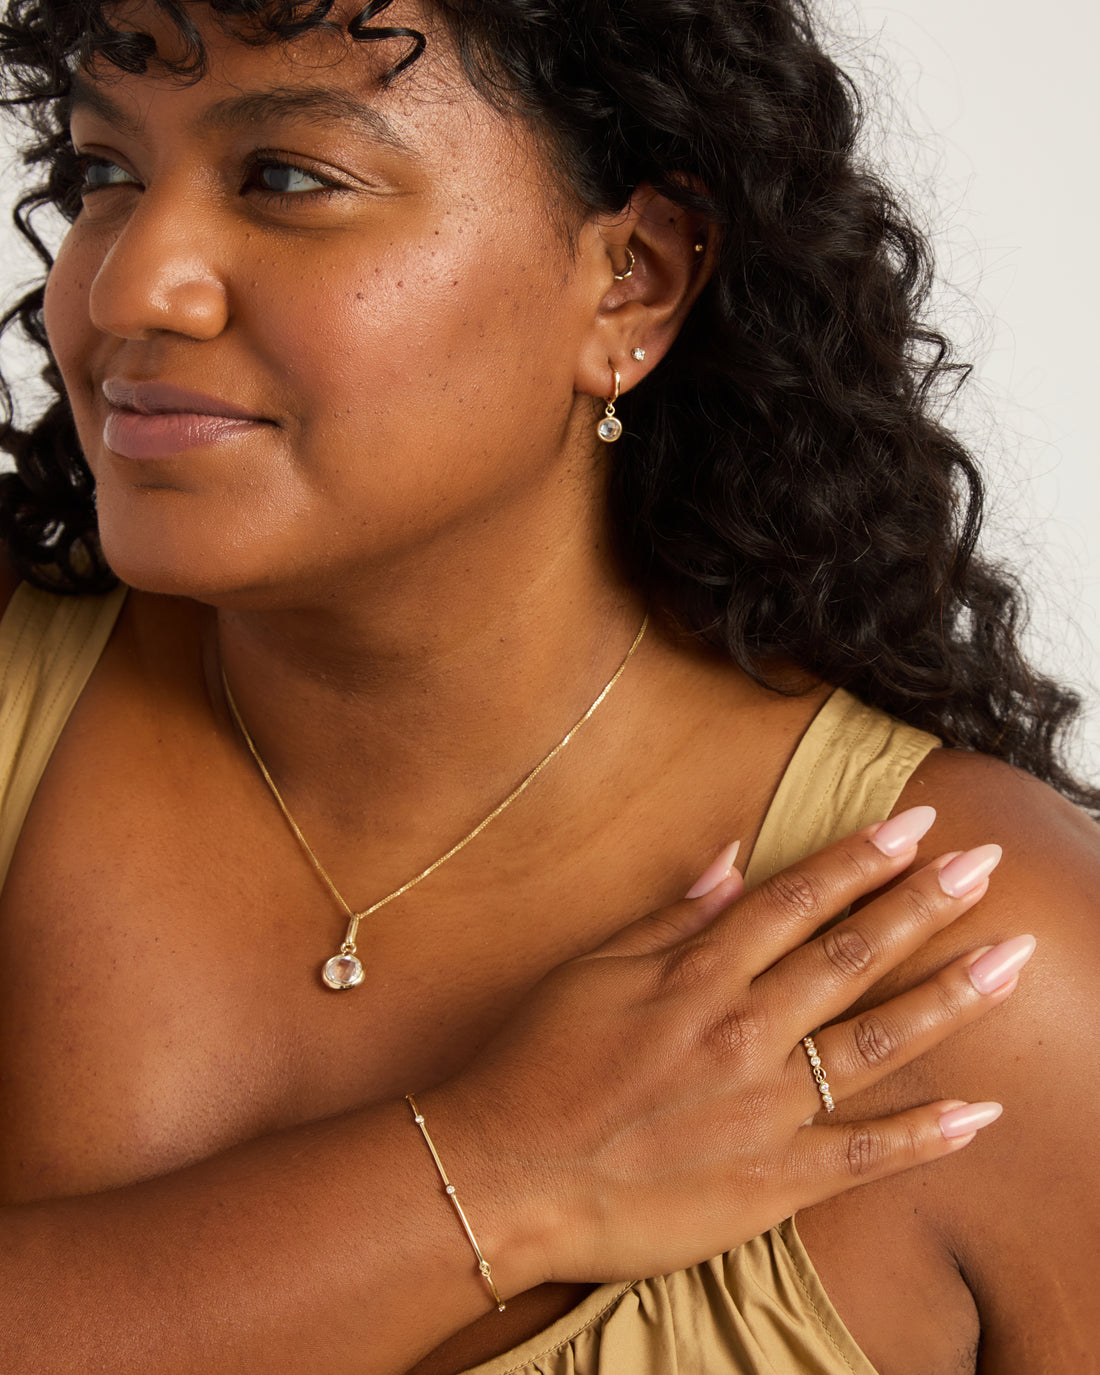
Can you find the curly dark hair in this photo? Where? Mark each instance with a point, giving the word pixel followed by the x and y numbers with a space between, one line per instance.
pixel 786 492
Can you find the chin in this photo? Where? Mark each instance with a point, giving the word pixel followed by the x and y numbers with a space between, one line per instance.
pixel 173 554
pixel 179 543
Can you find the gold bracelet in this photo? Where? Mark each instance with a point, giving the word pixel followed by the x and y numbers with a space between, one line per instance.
pixel 449 1189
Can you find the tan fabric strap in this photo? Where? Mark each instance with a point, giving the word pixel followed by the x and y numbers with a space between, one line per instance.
pixel 48 648
pixel 848 771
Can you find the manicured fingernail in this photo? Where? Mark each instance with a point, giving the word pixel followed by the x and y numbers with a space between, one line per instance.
pixel 903 831
pixel 996 967
pixel 968 1119
pixel 966 871
pixel 715 873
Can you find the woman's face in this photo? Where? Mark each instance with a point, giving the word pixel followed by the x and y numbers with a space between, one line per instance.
pixel 369 292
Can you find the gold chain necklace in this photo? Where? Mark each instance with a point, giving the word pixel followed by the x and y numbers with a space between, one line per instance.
pixel 345 969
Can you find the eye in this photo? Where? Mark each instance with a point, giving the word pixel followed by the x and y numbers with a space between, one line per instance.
pixel 285 185
pixel 98 173
pixel 283 179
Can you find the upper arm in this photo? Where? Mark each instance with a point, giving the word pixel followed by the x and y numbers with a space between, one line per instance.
pixel 1020 1210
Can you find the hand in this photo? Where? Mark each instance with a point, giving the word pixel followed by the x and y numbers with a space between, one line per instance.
pixel 652 1105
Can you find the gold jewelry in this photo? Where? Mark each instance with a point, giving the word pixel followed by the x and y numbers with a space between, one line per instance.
pixel 627 270
pixel 610 426
pixel 345 970
pixel 449 1189
pixel 819 1074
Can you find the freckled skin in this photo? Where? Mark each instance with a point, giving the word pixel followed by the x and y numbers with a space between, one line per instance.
pixel 365 328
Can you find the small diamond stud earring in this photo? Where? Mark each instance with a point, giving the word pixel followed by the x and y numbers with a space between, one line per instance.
pixel 638 354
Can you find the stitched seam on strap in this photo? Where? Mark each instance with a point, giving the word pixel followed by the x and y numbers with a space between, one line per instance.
pixel 24 627
pixel 794 810
pixel 825 1326
pixel 811 783
pixel 28 640
pixel 40 698
pixel 75 655
pixel 830 798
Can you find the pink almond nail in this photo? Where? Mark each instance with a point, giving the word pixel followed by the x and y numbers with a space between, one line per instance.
pixel 997 966
pixel 713 875
pixel 903 831
pixel 971 1118
pixel 967 870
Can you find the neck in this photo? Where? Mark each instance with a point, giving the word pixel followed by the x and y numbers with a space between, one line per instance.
pixel 408 710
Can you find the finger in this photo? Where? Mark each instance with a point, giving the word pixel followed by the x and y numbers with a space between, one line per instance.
pixel 826 975
pixel 830 1159
pixel 787 908
pixel 859 1052
pixel 718 886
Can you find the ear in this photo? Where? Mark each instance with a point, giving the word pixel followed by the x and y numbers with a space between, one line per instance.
pixel 663 255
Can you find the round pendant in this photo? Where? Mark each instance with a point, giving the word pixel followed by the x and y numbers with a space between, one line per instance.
pixel 609 428
pixel 342 971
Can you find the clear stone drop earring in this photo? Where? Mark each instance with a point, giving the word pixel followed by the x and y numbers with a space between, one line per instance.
pixel 611 427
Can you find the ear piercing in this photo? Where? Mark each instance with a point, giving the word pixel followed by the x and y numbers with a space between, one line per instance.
pixel 625 273
pixel 611 427
pixel 638 354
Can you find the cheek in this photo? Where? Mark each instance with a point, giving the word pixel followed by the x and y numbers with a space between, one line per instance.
pixel 420 387
pixel 460 326
pixel 65 314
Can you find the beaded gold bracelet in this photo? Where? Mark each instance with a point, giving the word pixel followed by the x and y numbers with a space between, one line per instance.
pixel 483 1267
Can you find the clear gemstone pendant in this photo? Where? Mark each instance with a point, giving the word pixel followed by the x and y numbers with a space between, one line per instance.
pixel 344 970
pixel 610 427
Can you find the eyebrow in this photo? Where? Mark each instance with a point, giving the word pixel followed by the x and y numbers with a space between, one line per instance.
pixel 316 104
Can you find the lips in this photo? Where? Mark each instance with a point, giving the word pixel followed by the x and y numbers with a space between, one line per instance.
pixel 150 420
pixel 157 398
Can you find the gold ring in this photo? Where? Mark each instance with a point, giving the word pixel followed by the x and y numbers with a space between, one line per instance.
pixel 816 1070
pixel 625 273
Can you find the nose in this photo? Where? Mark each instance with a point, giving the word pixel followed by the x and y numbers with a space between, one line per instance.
pixel 159 277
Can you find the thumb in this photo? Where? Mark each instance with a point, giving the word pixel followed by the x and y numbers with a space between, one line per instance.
pixel 718 886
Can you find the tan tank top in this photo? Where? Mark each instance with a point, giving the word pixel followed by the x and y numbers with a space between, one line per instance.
pixel 759 1309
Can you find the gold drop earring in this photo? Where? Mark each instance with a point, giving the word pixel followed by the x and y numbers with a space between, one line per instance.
pixel 611 427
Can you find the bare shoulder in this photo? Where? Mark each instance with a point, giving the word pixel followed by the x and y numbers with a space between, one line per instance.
pixel 1016 1215
pixel 1048 884
pixel 976 796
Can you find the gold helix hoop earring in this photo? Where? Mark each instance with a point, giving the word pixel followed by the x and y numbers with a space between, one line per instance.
pixel 625 273
pixel 611 427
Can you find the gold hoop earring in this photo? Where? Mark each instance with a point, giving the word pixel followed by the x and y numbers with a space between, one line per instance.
pixel 625 273
pixel 611 427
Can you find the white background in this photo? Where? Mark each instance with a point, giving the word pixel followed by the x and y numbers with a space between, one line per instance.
pixel 985 111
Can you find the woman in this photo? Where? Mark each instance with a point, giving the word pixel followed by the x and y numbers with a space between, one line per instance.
pixel 344 300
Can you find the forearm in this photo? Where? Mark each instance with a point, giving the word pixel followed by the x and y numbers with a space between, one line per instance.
pixel 328 1245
